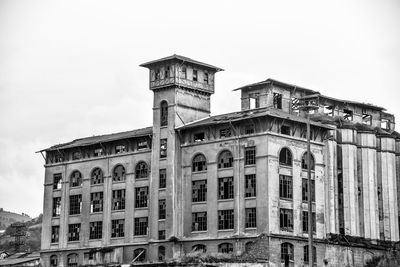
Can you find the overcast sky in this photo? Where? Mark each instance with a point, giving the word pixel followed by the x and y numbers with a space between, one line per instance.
pixel 69 69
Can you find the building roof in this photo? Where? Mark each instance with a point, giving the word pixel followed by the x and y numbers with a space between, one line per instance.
pixel 87 141
pixel 181 59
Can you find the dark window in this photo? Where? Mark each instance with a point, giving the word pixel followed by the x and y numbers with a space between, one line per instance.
pixel 199 221
pixel 225 219
pixel 117 228
pixel 277 101
pixel 163 148
pixel 98 152
pixel 161 235
pixel 96 230
pixel 118 199
pixel 206 77
pixel 139 255
pixel 195 75
pixel 251 218
pixel 306 255
pixel 163 178
pixel 285 187
pixel 199 191
pixel 305 222
pixel 225 132
pixel 141 195
pixel 72 260
pixel 141 226
pixel 199 247
pixel 285 129
pixel 73 231
pixel 225 248
pixel 76 179
pixel 225 160
pixel 250 155
pixel 286 220
pixel 250 185
pixel 57 181
pixel 347 115
pixel 96 202
pixel 225 188
pixel 75 204
pixel 198 137
pixel 141 170
pixel 199 163
pixel 285 157
pixel 161 253
pixel 287 257
pixel 120 149
pixel 56 206
pixel 163 113
pixel 304 192
pixel 97 176
pixel 304 162
pixel 55 233
pixel 53 261
pixel 162 209
pixel 119 173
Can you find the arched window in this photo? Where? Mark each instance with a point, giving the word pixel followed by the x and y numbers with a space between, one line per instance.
pixel 53 261
pixel 97 176
pixel 225 248
pixel 225 160
pixel 304 162
pixel 161 253
pixel 163 113
pixel 199 163
pixel 72 259
pixel 76 179
pixel 119 173
pixel 306 261
pixel 142 170
pixel 248 246
pixel 285 157
pixel 287 257
pixel 139 255
pixel 199 247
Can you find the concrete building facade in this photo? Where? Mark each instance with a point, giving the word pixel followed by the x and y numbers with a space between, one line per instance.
pixel 217 183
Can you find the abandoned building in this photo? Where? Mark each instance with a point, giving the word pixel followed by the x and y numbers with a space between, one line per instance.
pixel 193 181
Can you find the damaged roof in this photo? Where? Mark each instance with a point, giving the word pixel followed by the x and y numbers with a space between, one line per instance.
pixel 96 139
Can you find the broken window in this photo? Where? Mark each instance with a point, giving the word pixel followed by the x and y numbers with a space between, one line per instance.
pixel 53 261
pixel 118 199
pixel 199 247
pixel 199 163
pixel 119 173
pixel 254 100
pixel 306 255
pixel 225 132
pixel 328 110
pixel 287 254
pixel 141 170
pixel 225 248
pixel 56 206
pixel 139 255
pixel 195 75
pixel 285 157
pixel 72 260
pixel 98 152
pixel 76 179
pixel 141 196
pixel 97 176
pixel 141 226
pixel 120 149
pixel 96 202
pixel 250 185
pixel 277 100
pixel 304 165
pixel 163 113
pixel 163 178
pixel 162 209
pixel 206 77
pixel 347 115
pixel 55 233
pixel 199 221
pixel 286 219
pixel 225 188
pixel 163 148
pixel 225 160
pixel 285 187
pixel 199 191
pixel 198 137
pixel 250 155
pixel 305 222
pixel 251 218
pixel 385 124
pixel 75 204
pixel 76 155
pixel 57 181
pixel 73 231
pixel 117 228
pixel 225 219
pixel 161 253
pixel 96 230
pixel 304 192
pixel 285 129
pixel 143 144
pixel 366 119
pixel 161 235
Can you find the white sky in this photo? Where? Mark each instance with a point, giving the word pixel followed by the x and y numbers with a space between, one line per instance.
pixel 69 69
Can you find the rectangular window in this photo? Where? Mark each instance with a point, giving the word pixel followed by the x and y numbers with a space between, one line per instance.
pixel 250 185
pixel 163 178
pixel 56 206
pixel 141 226
pixel 143 144
pixel 206 77
pixel 96 230
pixel 285 187
pixel 57 180
pixel 251 218
pixel 250 155
pixel 199 221
pixel 286 219
pixel 225 188
pixel 141 195
pixel 347 115
pixel 162 209
pixel 195 75
pixel 117 228
pixel 98 152
pixel 199 191
pixel 118 199
pixel 304 191
pixel 96 202
pixel 163 148
pixel 198 137
pixel 285 130
pixel 73 231
pixel 225 132
pixel 305 222
pixel 75 204
pixel 120 149
pixel 55 233
pixel 225 219
pixel 161 235
pixel 277 100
